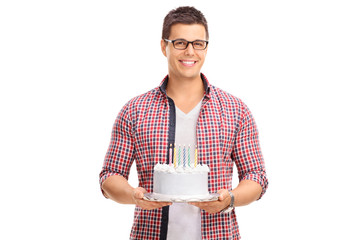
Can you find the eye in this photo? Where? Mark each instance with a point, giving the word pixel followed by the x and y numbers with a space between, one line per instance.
pixel 180 43
pixel 199 44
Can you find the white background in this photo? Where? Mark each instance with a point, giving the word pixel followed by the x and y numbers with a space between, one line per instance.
pixel 67 68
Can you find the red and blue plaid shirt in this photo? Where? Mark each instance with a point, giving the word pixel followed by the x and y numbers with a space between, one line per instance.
pixel 226 134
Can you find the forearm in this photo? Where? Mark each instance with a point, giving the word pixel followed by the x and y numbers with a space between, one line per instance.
pixel 118 189
pixel 246 192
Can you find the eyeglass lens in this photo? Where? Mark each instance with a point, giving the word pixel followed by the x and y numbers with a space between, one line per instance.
pixel 182 44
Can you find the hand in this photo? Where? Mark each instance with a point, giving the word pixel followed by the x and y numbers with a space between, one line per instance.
pixel 138 195
pixel 216 206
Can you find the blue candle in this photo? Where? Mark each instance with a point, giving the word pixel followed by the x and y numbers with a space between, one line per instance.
pixel 179 156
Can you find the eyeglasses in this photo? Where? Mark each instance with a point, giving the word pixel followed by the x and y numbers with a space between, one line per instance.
pixel 182 44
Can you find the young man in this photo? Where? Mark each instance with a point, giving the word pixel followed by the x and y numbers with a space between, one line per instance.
pixel 185 108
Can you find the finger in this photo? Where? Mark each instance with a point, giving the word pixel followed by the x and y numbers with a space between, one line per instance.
pixel 195 204
pixel 165 204
pixel 203 206
pixel 148 205
pixel 157 204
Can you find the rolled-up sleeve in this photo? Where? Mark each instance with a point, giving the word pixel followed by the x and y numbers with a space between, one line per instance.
pixel 247 154
pixel 119 156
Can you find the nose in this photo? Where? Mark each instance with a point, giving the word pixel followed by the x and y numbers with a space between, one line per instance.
pixel 189 51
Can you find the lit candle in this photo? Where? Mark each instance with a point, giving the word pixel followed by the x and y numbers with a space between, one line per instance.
pixel 195 163
pixel 174 155
pixel 170 155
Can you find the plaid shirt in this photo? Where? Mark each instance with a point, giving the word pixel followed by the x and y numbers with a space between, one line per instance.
pixel 226 134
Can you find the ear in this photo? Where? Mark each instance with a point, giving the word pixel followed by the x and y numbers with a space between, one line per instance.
pixel 163 47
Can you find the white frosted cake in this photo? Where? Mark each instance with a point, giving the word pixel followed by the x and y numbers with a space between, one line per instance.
pixel 183 182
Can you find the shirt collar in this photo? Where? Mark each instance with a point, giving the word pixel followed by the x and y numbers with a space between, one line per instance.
pixel 164 83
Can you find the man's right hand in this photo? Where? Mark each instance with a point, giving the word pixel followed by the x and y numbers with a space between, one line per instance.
pixel 138 195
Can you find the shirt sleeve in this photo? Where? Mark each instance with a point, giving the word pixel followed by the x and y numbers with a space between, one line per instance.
pixel 119 156
pixel 247 153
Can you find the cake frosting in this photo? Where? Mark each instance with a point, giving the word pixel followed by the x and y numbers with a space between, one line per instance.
pixel 189 181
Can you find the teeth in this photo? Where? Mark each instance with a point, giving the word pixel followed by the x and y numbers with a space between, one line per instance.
pixel 186 62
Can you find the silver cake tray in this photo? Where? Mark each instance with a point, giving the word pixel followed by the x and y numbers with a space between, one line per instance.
pixel 157 197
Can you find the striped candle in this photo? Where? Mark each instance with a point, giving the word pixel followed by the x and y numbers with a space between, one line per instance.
pixel 175 156
pixel 170 155
pixel 184 156
pixel 189 155
pixel 179 155
pixel 195 163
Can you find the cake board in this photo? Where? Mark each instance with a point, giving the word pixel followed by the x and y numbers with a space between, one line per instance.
pixel 157 197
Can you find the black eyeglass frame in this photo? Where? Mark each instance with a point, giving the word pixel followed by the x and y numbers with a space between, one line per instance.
pixel 187 44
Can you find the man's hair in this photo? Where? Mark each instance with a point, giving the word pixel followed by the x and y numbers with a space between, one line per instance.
pixel 184 15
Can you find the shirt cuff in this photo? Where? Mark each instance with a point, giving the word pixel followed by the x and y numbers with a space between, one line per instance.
pixel 258 178
pixel 103 177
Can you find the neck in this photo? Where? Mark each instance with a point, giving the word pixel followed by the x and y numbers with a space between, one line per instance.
pixel 181 89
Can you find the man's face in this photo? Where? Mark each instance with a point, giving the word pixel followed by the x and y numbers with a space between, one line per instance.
pixel 185 63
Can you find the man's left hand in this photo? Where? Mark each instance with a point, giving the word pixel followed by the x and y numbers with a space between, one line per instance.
pixel 216 206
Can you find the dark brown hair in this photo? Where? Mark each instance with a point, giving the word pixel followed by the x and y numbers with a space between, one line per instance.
pixel 184 15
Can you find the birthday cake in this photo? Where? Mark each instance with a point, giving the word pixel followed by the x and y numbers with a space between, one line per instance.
pixel 181 182
pixel 183 179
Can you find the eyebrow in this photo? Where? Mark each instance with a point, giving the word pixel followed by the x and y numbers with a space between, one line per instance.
pixel 188 40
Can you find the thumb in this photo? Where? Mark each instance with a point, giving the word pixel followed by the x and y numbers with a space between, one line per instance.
pixel 139 192
pixel 223 193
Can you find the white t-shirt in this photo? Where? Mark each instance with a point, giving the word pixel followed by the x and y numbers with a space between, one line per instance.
pixel 185 219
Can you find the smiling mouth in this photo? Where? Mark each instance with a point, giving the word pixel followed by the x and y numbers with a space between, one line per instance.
pixel 188 63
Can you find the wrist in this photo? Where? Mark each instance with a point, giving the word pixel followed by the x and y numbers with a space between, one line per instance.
pixel 230 207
